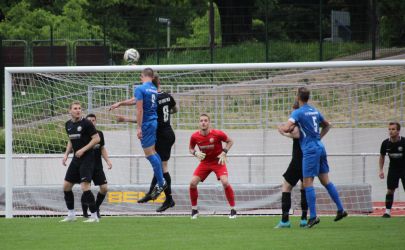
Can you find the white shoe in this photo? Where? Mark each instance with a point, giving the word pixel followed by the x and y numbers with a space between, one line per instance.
pixel 91 220
pixel 68 219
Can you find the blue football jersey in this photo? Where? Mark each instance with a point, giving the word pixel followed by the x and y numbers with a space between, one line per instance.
pixel 308 119
pixel 147 92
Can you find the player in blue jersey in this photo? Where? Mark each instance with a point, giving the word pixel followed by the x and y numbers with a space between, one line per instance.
pixel 146 116
pixel 314 162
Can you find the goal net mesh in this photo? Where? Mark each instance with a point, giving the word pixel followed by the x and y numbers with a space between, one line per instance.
pixel 247 104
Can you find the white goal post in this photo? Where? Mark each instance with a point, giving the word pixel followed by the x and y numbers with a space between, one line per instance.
pixel 246 100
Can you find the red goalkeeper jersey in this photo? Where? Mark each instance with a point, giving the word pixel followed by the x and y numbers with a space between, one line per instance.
pixel 210 144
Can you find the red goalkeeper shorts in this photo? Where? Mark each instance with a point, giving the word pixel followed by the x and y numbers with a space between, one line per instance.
pixel 204 169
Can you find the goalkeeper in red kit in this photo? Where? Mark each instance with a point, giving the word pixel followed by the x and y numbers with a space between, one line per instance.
pixel 213 159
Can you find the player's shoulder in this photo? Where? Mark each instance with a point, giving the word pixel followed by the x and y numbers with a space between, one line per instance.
pixel 385 141
pixel 196 134
pixel 86 122
pixel 217 132
pixel 100 132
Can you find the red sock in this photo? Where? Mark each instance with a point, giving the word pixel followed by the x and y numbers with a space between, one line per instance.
pixel 230 195
pixel 193 196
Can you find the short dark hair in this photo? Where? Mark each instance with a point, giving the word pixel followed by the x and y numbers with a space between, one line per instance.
pixel 91 115
pixel 397 124
pixel 303 94
pixel 148 72
pixel 203 114
pixel 156 80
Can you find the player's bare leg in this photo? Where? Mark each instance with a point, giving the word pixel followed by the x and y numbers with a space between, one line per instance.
pixel 194 196
pixel 69 199
pixel 230 195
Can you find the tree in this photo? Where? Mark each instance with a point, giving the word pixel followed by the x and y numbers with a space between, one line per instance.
pixel 236 20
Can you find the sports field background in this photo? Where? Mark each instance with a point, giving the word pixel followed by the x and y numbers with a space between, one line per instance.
pixel 206 232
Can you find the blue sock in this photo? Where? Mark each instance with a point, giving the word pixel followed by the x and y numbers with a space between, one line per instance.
pixel 311 200
pixel 157 168
pixel 333 193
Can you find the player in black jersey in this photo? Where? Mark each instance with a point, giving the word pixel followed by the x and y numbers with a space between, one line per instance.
pixel 291 177
pixel 82 139
pixel 394 146
pixel 99 178
pixel 165 139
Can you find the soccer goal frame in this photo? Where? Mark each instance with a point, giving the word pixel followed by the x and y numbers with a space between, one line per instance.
pixel 196 67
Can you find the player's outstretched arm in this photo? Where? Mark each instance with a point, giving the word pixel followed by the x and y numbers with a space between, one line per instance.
pixel 104 153
pixel 127 102
pixel 94 140
pixel 121 118
pixel 67 152
pixel 326 126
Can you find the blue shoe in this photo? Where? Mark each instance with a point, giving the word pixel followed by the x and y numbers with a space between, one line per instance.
pixel 283 225
pixel 303 223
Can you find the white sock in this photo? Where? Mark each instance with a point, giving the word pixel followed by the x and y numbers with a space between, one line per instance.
pixel 94 215
pixel 388 211
pixel 71 213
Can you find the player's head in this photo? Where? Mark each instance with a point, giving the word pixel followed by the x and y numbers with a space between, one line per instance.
pixel 393 129
pixel 156 80
pixel 75 110
pixel 92 117
pixel 303 94
pixel 147 75
pixel 204 122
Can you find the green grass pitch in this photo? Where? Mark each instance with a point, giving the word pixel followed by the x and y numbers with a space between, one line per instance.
pixel 207 232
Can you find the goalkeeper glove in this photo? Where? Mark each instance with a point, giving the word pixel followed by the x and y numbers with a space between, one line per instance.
pixel 222 158
pixel 200 155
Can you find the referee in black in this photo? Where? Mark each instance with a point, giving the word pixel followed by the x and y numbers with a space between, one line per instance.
pixel 82 139
pixel 292 175
pixel 165 139
pixel 394 146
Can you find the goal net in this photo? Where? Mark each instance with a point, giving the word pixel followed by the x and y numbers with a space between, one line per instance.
pixel 247 101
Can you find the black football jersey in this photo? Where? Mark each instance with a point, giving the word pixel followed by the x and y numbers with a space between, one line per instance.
pixel 296 153
pixel 165 103
pixel 395 151
pixel 80 132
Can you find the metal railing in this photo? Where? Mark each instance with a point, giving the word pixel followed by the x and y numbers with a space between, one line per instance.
pixel 137 159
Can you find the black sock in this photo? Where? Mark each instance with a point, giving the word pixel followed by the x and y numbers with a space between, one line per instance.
pixel 304 205
pixel 168 190
pixel 88 198
pixel 285 206
pixel 152 184
pixel 85 207
pixel 389 199
pixel 69 199
pixel 100 199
